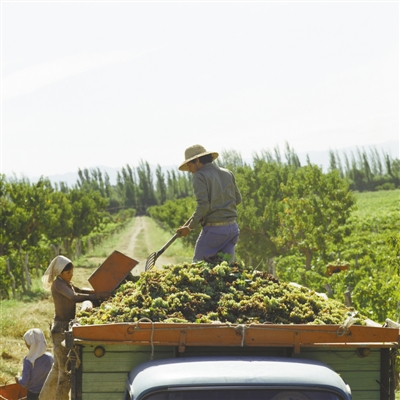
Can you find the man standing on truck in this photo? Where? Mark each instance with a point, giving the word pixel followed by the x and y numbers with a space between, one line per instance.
pixel 217 196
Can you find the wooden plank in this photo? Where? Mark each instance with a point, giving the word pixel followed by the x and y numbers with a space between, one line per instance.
pixel 104 383
pixel 360 374
pixel 237 335
pixel 195 351
pixel 124 348
pixel 363 380
pixel 120 362
pixel 103 396
pixel 343 360
pixel 365 395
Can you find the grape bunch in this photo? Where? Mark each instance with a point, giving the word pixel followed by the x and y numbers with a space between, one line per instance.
pixel 214 291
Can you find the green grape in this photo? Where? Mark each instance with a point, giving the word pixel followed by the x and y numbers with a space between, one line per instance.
pixel 214 292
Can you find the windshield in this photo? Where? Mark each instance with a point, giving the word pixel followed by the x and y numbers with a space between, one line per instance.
pixel 241 394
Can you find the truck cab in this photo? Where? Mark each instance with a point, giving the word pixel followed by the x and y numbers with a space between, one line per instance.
pixel 234 378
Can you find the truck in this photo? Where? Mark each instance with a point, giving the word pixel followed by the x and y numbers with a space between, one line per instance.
pixel 198 361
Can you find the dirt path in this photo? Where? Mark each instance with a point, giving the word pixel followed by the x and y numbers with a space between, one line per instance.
pixel 129 245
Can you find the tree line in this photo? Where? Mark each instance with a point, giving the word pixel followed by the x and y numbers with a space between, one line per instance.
pixel 142 187
pixel 367 171
pixel 39 222
pixel 136 188
pixel 288 209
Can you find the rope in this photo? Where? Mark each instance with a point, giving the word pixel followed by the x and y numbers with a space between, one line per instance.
pixel 70 358
pixel 344 329
pixel 242 328
pixel 137 328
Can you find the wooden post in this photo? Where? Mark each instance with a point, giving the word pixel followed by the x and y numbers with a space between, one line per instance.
pixel 76 373
pixel 26 269
pixel 386 389
pixel 328 289
pixel 347 297
pixel 75 357
pixel 12 279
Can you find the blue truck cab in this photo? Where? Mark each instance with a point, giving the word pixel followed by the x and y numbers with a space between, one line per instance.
pixel 234 378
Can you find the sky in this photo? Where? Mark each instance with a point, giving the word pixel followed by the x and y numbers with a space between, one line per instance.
pixel 86 84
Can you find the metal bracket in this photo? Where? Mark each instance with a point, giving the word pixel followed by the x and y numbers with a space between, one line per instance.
pixel 69 339
pixel 182 342
pixel 296 342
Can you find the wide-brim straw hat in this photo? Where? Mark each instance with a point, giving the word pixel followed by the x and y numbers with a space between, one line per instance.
pixel 193 152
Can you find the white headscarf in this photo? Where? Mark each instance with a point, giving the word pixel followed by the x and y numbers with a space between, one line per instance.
pixel 55 268
pixel 37 342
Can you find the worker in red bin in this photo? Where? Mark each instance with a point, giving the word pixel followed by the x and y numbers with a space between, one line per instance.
pixel 217 196
pixel 57 278
pixel 36 365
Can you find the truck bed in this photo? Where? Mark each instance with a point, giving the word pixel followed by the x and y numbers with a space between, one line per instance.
pixel 362 355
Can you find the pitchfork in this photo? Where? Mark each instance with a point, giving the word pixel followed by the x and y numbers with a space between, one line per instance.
pixel 151 260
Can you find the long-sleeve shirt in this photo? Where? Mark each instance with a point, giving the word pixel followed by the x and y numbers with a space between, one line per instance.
pixel 33 377
pixel 217 195
pixel 65 296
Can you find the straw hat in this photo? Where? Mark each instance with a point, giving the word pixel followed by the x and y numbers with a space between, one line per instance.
pixel 194 152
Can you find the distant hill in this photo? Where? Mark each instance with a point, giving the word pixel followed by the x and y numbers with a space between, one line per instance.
pixel 320 158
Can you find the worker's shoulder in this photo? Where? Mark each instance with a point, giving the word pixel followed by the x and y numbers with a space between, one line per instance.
pixel 212 169
pixel 60 285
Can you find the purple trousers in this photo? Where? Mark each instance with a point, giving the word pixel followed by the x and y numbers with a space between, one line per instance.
pixel 216 239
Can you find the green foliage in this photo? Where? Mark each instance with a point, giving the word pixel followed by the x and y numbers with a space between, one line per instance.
pixel 174 214
pixel 259 211
pixel 315 208
pixel 373 251
pixel 291 268
pixel 87 210
pixel 5 282
pixel 38 221
pixel 286 206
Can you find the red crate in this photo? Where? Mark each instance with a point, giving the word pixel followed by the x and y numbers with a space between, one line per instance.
pixel 13 391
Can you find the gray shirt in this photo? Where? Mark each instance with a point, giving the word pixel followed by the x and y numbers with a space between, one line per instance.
pixel 65 296
pixel 217 195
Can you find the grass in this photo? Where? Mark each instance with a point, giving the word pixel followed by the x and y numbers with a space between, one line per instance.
pixel 158 237
pixel 17 316
pixel 35 309
pixel 367 201
pixel 99 253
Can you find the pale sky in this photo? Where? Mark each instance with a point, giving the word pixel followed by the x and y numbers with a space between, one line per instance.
pixel 88 84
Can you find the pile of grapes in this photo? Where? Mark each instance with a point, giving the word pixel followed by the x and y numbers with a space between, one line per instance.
pixel 208 292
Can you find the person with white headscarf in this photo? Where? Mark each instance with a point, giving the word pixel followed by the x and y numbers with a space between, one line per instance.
pixel 36 365
pixel 57 278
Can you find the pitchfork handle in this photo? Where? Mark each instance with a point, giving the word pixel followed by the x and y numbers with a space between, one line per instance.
pixel 170 241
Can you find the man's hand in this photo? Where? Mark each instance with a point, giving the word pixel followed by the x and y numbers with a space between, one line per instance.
pixel 183 231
